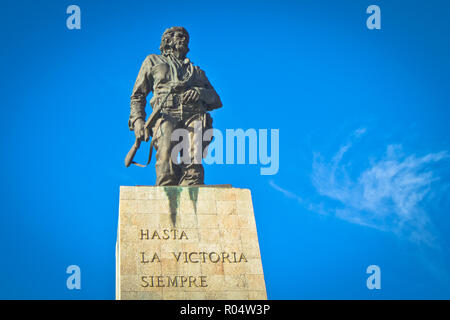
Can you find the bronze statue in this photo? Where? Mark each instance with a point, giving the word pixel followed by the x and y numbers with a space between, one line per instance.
pixel 182 96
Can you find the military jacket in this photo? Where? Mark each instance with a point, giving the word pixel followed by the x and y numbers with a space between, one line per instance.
pixel 160 74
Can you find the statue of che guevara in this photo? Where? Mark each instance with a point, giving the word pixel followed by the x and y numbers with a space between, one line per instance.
pixel 182 97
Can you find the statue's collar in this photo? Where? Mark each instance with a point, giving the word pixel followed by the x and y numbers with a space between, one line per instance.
pixel 169 55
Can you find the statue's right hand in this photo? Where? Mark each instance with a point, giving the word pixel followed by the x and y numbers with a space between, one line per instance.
pixel 139 125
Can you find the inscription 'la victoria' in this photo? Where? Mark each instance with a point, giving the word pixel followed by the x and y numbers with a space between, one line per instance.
pixel 196 257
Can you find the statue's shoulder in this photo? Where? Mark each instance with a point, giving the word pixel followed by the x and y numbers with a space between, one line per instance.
pixel 199 72
pixel 197 68
pixel 154 59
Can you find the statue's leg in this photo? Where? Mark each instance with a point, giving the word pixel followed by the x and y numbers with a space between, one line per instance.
pixel 167 173
pixel 193 173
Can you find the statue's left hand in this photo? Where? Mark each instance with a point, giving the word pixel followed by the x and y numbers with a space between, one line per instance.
pixel 191 96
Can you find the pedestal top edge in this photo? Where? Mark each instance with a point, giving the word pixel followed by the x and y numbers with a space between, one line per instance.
pixel 212 186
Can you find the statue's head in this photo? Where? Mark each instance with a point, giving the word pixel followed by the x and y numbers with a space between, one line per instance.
pixel 175 40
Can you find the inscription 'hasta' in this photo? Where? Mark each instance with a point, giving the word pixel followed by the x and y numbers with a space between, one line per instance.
pixel 165 234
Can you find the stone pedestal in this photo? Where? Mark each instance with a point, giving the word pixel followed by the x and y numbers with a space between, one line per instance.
pixel 187 243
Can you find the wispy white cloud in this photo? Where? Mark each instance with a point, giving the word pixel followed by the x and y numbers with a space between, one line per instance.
pixel 286 193
pixel 387 195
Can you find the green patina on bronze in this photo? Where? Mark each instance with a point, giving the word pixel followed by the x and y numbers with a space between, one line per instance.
pixel 173 194
pixel 193 195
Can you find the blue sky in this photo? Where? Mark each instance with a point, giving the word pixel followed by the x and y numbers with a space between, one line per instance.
pixel 362 116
